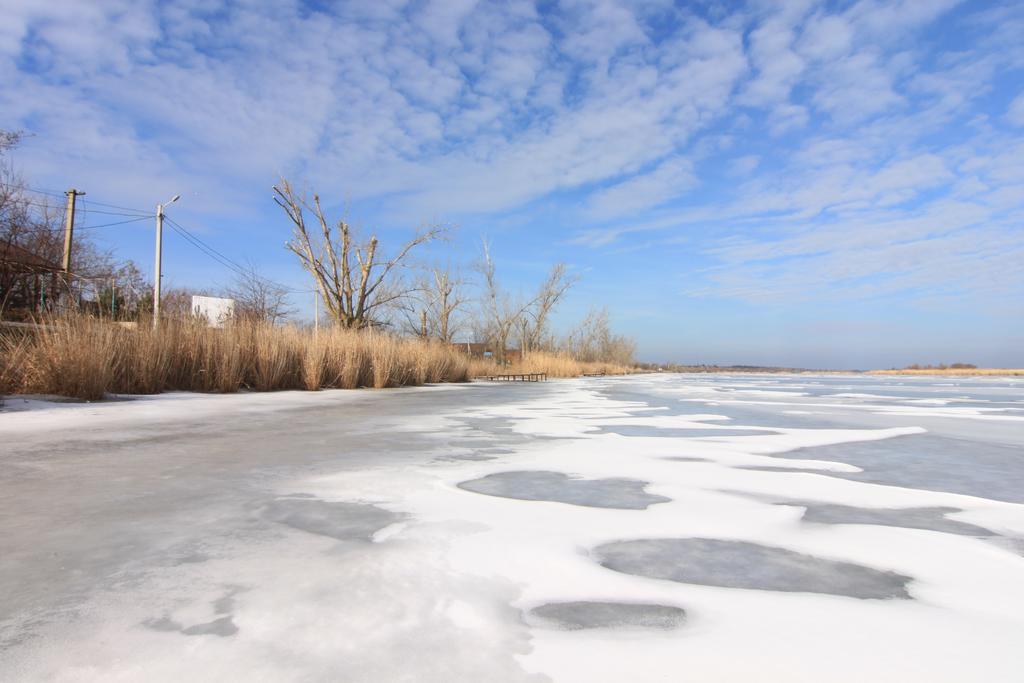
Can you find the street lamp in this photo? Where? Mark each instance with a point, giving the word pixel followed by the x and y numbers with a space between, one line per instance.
pixel 159 257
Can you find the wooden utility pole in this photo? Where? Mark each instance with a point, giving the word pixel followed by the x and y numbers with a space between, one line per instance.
pixel 69 228
pixel 423 323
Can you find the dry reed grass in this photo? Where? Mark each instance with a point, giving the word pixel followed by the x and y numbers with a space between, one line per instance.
pixel 554 365
pixel 87 358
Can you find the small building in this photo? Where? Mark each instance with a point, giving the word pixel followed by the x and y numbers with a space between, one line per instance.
pixel 216 311
pixel 485 350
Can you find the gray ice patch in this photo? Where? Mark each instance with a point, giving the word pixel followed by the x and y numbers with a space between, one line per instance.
pixel 223 627
pixel 932 519
pixel 681 432
pixel 1013 545
pixel 741 564
pixel 621 494
pixel 164 623
pixel 471 457
pixel 784 468
pixel 343 521
pixel 931 462
pixel 226 603
pixel 578 615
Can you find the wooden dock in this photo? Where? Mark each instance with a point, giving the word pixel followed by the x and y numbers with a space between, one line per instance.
pixel 518 377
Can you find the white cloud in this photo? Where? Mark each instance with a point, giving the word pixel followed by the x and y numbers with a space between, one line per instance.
pixel 744 165
pixel 1015 112
pixel 891 19
pixel 668 180
pixel 470 107
pixel 857 86
pixel 778 66
pixel 826 37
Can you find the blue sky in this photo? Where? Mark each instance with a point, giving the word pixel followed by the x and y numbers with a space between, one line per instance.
pixel 823 184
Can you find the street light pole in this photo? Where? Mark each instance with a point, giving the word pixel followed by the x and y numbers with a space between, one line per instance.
pixel 159 259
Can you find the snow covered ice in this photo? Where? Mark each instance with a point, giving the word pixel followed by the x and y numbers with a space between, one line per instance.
pixel 648 528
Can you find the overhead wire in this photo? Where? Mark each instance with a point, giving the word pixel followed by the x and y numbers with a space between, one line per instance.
pixel 89 209
pixel 134 215
pixel 107 225
pixel 58 231
pixel 86 202
pixel 224 260
pixel 205 248
pixel 123 208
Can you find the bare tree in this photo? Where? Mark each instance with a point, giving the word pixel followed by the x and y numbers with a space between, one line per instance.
pixel 592 340
pixel 442 295
pixel 257 298
pixel 176 302
pixel 31 250
pixel 534 322
pixel 502 315
pixel 31 242
pixel 449 296
pixel 9 139
pixel 354 280
pixel 432 310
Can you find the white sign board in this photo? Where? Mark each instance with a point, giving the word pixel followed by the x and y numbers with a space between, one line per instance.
pixel 214 310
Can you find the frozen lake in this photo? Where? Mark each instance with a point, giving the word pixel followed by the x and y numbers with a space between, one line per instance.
pixel 648 528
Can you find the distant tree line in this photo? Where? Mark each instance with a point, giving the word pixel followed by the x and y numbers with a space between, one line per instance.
pixel 700 367
pixel 942 366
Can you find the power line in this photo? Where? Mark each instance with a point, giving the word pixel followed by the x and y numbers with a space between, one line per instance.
pixel 86 209
pixel 114 210
pixel 212 255
pixel 224 260
pixel 107 225
pixel 60 195
pixel 56 231
pixel 134 215
pixel 18 186
pixel 205 248
pixel 117 213
pixel 115 206
pixel 41 205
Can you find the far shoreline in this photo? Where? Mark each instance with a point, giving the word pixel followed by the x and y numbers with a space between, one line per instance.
pixel 953 372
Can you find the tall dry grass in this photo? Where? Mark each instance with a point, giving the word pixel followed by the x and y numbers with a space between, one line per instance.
pixel 87 358
pixel 553 364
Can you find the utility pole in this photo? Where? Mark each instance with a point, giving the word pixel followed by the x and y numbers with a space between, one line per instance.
pixel 159 259
pixel 69 228
pixel 423 323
